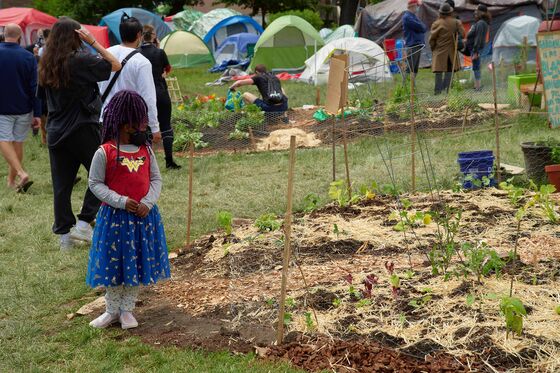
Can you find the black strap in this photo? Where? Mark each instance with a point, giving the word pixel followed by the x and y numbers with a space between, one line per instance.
pixel 117 74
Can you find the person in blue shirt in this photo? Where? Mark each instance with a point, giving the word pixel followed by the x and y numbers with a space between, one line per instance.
pixel 414 31
pixel 19 106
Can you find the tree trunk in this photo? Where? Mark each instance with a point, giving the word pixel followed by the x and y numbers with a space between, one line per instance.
pixel 263 12
pixel 348 12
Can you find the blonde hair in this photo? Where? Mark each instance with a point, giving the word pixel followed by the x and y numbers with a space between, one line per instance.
pixel 148 32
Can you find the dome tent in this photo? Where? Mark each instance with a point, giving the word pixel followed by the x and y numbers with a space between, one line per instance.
pixel 30 20
pixel 185 49
pixel 235 47
pixel 325 32
pixel 367 61
pixel 113 20
pixel 345 31
pixel 185 19
pixel 228 27
pixel 510 38
pixel 205 23
pixel 286 44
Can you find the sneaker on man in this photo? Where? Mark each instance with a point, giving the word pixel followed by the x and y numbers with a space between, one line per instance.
pixel 67 243
pixel 82 232
pixel 104 320
pixel 127 320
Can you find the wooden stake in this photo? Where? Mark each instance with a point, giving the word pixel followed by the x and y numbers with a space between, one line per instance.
pixel 333 150
pixel 496 123
pixel 318 97
pixel 287 242
pixel 454 61
pixel 412 134
pixel 346 164
pixel 252 138
pixel 189 211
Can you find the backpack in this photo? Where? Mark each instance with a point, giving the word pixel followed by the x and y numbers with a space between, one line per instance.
pixel 274 89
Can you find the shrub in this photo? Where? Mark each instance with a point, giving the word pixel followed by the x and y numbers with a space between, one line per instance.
pixel 309 15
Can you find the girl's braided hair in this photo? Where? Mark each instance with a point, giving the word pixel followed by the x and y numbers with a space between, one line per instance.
pixel 126 107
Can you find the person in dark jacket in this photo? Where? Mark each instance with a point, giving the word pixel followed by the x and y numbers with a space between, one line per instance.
pixel 160 68
pixel 476 41
pixel 414 31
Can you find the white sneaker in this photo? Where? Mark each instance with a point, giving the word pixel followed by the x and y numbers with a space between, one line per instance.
pixel 67 243
pixel 127 320
pixel 104 320
pixel 82 233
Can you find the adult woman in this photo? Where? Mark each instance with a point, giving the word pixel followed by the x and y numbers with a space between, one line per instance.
pixel 476 41
pixel 69 76
pixel 160 68
pixel 446 31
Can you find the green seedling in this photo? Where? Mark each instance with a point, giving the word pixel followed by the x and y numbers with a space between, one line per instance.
pixel 407 219
pixel 310 325
pixel 471 298
pixel 557 310
pixel 515 194
pixel 268 223
pixel 287 318
pixel 290 303
pixel 445 247
pixel 338 192
pixel 224 219
pixel 337 302
pixel 480 260
pixel 311 202
pixel 513 311
pixel 363 303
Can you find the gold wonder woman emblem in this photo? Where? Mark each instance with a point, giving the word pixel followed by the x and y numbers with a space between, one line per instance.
pixel 133 165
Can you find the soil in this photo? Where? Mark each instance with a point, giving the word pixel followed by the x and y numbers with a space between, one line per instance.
pixel 228 299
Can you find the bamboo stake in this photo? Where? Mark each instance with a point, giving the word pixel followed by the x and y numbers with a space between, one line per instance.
pixel 318 96
pixel 454 61
pixel 287 242
pixel 189 211
pixel 333 150
pixel 252 138
pixel 497 124
pixel 413 134
pixel 346 164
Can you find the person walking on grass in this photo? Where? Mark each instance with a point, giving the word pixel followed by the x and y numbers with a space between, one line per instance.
pixel 19 107
pixel 414 31
pixel 129 248
pixel 445 32
pixel 476 42
pixel 160 68
pixel 69 76
pixel 136 74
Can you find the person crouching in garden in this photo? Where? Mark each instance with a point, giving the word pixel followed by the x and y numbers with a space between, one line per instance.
pixel 129 248
pixel 476 41
pixel 445 33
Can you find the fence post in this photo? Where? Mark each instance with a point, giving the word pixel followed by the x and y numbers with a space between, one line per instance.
pixel 412 132
pixel 333 149
pixel 346 164
pixel 497 124
pixel 287 242
pixel 189 208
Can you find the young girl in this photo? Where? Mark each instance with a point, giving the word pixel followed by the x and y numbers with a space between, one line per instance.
pixel 129 246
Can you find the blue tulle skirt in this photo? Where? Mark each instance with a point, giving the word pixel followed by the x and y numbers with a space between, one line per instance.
pixel 126 249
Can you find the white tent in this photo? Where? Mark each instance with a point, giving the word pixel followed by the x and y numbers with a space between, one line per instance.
pixel 325 32
pixel 510 39
pixel 344 31
pixel 367 61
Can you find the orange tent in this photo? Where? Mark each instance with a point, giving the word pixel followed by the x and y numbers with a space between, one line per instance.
pixel 30 20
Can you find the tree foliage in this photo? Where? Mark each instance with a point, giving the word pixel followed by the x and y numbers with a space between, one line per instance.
pixel 266 6
pixel 309 15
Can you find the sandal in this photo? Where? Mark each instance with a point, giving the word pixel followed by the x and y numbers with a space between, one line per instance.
pixel 24 187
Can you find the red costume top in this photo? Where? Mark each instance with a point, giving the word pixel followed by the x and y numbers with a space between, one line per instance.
pixel 129 175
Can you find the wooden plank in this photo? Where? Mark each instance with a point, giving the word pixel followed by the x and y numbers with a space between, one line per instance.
pixel 513 170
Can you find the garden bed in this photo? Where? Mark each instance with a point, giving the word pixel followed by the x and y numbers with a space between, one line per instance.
pixel 224 291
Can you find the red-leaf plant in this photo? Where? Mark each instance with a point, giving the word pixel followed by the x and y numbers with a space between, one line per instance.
pixel 368 283
pixel 394 279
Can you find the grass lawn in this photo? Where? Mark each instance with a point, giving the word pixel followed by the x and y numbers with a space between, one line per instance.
pixel 39 285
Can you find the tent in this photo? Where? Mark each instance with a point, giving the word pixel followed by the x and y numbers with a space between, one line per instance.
pixel 185 49
pixel 286 44
pixel 325 32
pixel 113 20
pixel 367 61
pixel 228 27
pixel 101 34
pixel 345 31
pixel 207 21
pixel 30 20
pixel 235 47
pixel 185 19
pixel 512 35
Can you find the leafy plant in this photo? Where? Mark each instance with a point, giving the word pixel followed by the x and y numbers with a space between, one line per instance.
pixel 481 260
pixel 268 223
pixel 287 318
pixel 351 289
pixel 363 303
pixel 368 192
pixel 557 309
pixel 407 219
pixel 394 279
pixel 224 219
pixel 338 192
pixel 337 302
pixel 445 246
pixel 513 311
pixel 515 193
pixel 420 302
pixel 310 325
pixel 368 283
pixel 311 202
pixel 542 198
pixel 470 299
pixel 252 116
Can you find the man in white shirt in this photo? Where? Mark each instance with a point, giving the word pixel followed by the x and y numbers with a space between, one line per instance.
pixel 136 75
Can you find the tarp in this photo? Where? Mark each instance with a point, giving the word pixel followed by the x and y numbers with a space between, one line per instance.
pixel 367 61
pixel 186 19
pixel 205 23
pixel 345 31
pixel 383 20
pixel 228 27
pixel 235 47
pixel 185 49
pixel 101 34
pixel 286 44
pixel 30 20
pixel 113 20
pixel 512 35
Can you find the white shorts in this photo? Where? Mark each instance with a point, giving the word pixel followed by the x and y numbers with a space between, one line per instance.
pixel 15 127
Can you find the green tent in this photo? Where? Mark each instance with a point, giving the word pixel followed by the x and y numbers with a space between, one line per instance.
pixel 185 49
pixel 185 19
pixel 286 44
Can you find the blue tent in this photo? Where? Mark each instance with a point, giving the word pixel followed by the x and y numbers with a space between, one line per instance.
pixel 235 47
pixel 228 27
pixel 113 20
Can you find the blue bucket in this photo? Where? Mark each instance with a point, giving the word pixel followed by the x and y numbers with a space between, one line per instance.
pixel 477 164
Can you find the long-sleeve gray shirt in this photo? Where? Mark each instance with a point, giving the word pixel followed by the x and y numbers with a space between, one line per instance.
pixel 101 190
